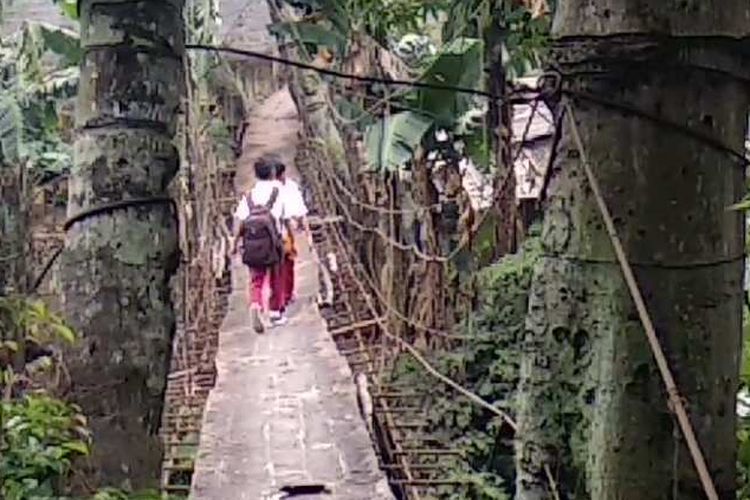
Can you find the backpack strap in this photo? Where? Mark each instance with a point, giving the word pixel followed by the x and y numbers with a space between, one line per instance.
pixel 269 204
pixel 272 200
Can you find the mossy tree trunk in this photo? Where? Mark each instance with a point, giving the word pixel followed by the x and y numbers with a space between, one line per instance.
pixel 117 264
pixel 592 406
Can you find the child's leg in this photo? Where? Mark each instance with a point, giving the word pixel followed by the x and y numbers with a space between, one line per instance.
pixel 277 303
pixel 288 276
pixel 257 278
pixel 292 281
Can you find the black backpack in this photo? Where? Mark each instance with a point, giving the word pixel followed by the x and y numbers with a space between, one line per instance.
pixel 261 242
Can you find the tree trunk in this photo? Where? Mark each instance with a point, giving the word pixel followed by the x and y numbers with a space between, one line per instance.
pixel 14 229
pixel 500 123
pixel 117 265
pixel 311 95
pixel 592 405
pixel 506 208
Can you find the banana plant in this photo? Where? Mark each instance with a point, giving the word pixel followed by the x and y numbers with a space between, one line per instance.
pixel 393 140
pixel 31 87
pixel 418 113
pixel 334 23
pixel 524 27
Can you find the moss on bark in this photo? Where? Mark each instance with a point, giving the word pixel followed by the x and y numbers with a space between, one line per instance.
pixel 592 405
pixel 117 264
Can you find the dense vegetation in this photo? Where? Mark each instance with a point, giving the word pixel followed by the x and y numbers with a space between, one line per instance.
pixel 394 146
pixel 44 440
pixel 488 364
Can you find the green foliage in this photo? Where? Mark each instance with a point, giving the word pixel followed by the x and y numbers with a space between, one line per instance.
pixel 478 147
pixel 523 37
pixel 525 42
pixel 392 142
pixel 38 70
pixel 43 146
pixel 11 124
pixel 487 364
pixel 743 427
pixel 41 437
pixel 471 29
pixel 69 7
pixel 459 64
pixel 39 39
pixel 339 20
pixel 34 320
pixel 309 33
pixel 25 324
pixel 354 113
pixel 386 20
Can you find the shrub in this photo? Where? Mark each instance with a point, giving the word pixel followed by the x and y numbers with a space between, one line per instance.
pixel 487 364
pixel 41 437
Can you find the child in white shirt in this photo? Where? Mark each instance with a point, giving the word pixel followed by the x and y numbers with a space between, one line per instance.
pixel 260 195
pixel 295 210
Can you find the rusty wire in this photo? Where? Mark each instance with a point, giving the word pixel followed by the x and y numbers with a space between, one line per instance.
pixel 366 295
pixel 417 356
pixel 349 76
pixel 383 301
pixel 465 239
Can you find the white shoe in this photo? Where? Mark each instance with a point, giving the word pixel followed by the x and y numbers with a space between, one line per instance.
pixel 256 320
pixel 278 319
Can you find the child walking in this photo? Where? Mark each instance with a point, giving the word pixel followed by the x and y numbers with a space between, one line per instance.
pixel 295 213
pixel 261 216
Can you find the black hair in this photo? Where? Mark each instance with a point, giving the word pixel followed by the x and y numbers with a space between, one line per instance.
pixel 264 169
pixel 279 167
pixel 276 163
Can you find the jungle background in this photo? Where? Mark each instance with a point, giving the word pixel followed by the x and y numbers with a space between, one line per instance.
pixel 481 245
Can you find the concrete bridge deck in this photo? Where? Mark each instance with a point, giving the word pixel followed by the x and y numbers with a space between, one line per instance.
pixel 284 409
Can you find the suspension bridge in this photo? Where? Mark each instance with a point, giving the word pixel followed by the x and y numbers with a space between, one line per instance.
pixel 280 415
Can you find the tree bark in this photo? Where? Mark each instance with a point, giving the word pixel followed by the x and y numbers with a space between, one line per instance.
pixel 311 95
pixel 500 122
pixel 14 230
pixel 592 405
pixel 116 268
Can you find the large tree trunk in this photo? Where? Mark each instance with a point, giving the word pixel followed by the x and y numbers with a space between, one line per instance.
pixel 592 405
pixel 118 262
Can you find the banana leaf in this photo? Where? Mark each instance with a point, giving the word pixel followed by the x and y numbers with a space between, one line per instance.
pixel 458 65
pixel 392 141
pixel 310 33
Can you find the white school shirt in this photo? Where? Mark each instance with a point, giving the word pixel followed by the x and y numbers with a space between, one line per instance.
pixel 293 199
pixel 260 195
